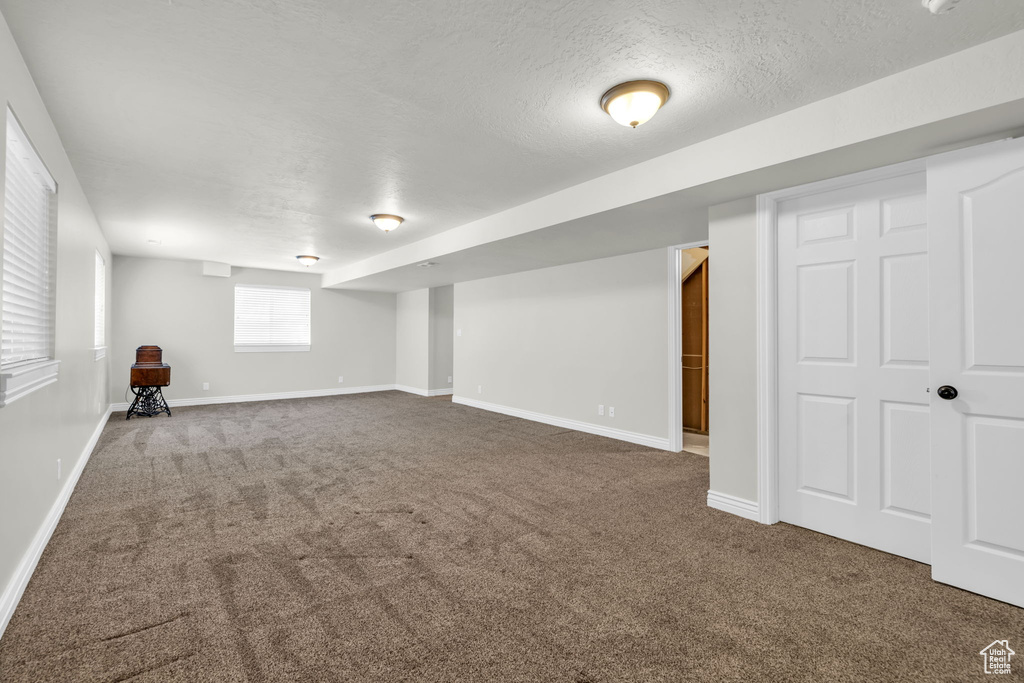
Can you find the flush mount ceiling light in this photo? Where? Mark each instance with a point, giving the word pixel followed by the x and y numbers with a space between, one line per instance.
pixel 386 221
pixel 939 6
pixel 307 260
pixel 634 102
pixel 427 264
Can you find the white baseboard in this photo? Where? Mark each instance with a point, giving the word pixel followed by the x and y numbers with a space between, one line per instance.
pixel 411 390
pixel 741 507
pixel 424 392
pixel 245 398
pixel 16 587
pixel 599 430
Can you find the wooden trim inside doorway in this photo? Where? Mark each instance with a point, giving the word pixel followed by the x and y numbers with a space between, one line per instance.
pixel 694 333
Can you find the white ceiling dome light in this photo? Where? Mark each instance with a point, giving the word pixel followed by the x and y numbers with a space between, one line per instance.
pixel 386 221
pixel 307 260
pixel 634 102
pixel 939 6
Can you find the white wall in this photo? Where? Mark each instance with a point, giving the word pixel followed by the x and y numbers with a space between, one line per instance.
pixel 732 329
pixel 442 337
pixel 412 343
pixel 559 341
pixel 191 317
pixel 59 420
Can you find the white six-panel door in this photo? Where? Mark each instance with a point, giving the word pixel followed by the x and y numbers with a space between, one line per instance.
pixel 976 216
pixel 853 354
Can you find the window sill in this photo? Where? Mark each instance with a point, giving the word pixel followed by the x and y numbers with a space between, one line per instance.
pixel 271 349
pixel 99 352
pixel 19 381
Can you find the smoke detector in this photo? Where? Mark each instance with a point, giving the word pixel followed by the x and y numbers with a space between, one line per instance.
pixel 939 6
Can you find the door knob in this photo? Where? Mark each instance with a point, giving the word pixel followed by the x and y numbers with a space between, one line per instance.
pixel 947 392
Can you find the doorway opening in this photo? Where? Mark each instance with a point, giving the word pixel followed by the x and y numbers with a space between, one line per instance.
pixel 694 367
pixel 689 349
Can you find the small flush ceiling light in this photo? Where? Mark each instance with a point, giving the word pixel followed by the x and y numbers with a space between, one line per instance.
pixel 634 102
pixel 386 221
pixel 939 6
pixel 307 260
pixel 427 264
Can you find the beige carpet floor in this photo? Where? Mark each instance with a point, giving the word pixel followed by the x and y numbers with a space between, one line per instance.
pixel 386 537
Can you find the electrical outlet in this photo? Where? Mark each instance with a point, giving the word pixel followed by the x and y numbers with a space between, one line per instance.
pixel 611 411
pixel 449 379
pixel 600 410
pixel 479 388
pixel 341 378
pixel 58 469
pixel 206 386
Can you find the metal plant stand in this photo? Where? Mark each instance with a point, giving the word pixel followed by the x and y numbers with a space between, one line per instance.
pixel 149 402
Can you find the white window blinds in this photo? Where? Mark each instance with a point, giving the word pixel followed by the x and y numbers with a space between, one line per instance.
pixel 100 334
pixel 271 318
pixel 29 253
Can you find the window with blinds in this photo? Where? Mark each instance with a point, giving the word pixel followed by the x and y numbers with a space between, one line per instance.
pixel 100 307
pixel 271 318
pixel 29 254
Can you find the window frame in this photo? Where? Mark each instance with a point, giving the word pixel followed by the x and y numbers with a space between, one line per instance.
pixel 269 347
pixel 100 307
pixel 21 377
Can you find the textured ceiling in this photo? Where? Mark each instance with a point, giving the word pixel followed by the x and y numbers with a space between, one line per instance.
pixel 248 131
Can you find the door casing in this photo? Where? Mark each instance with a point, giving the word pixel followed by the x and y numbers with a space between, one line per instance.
pixel 767 322
pixel 675 344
